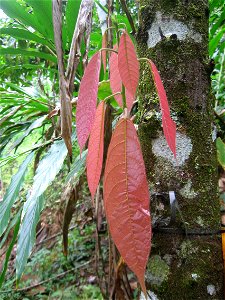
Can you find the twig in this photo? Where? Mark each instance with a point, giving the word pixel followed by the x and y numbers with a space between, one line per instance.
pixel 53 236
pixel 126 10
pixel 45 281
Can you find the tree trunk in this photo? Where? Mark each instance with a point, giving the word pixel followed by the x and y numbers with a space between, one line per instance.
pixel 174 34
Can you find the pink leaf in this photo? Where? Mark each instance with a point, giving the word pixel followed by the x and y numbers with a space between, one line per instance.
pixel 128 64
pixel 169 126
pixel 126 198
pixel 95 150
pixel 87 98
pixel 116 82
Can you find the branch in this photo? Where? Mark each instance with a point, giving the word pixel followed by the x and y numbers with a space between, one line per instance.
pixel 125 9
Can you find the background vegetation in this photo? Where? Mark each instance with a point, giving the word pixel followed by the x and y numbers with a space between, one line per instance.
pixel 33 155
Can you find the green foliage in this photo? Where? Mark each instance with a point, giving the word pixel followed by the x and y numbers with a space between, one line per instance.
pixel 12 193
pixel 29 92
pixel 217 53
pixel 220 152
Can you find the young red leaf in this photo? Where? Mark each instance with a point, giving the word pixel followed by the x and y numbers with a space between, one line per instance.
pixel 87 98
pixel 169 126
pixel 104 54
pixel 169 129
pixel 116 82
pixel 95 150
pixel 128 64
pixel 126 198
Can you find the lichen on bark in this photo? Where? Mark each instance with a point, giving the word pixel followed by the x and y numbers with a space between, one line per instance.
pixel 184 68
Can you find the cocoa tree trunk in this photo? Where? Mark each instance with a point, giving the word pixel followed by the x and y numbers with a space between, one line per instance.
pixel 174 34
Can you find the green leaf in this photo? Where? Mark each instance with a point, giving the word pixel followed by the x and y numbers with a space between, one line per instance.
pixel 9 250
pixel 214 42
pixel 16 11
pixel 25 35
pixel 27 233
pixel 72 10
pixel 28 52
pixel 46 172
pixel 47 169
pixel 77 168
pixel 12 193
pixel 42 10
pixel 37 123
pixel 220 152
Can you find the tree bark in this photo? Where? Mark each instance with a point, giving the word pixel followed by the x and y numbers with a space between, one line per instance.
pixel 174 34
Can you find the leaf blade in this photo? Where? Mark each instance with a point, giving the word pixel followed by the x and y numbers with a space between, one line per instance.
pixel 27 234
pixel 95 150
pixel 87 98
pixel 116 82
pixel 12 193
pixel 126 198
pixel 128 64
pixel 169 126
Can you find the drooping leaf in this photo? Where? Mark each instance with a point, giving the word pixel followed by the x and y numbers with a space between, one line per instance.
pixel 10 226
pixel 128 64
pixel 71 196
pixel 27 233
pixel 25 35
pixel 126 198
pixel 46 172
pixel 77 168
pixel 37 123
pixel 116 82
pixel 87 98
pixel 16 11
pixel 95 150
pixel 12 193
pixel 28 52
pixel 10 248
pixel 169 126
pixel 220 146
pixel 169 129
pixel 104 54
pixel 42 11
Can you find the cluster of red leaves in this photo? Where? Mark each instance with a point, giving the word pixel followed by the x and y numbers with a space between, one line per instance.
pixel 126 194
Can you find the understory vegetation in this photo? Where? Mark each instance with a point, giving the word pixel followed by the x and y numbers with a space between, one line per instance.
pixel 54 244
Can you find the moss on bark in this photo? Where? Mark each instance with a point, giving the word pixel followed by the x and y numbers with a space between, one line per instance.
pixel 183 65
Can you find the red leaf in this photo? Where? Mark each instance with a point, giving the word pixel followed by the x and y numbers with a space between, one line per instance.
pixel 169 129
pixel 87 98
pixel 116 82
pixel 169 126
pixel 126 198
pixel 95 150
pixel 104 45
pixel 128 64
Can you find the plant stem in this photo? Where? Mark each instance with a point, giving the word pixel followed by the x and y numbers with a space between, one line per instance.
pixel 126 10
pixel 109 49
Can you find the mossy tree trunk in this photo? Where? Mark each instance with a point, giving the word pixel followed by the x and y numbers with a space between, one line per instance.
pixel 174 34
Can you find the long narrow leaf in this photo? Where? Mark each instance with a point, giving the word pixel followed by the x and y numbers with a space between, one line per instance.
pixel 87 100
pixel 25 35
pixel 12 193
pixel 28 52
pixel 9 250
pixel 46 172
pixel 27 233
pixel 37 123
